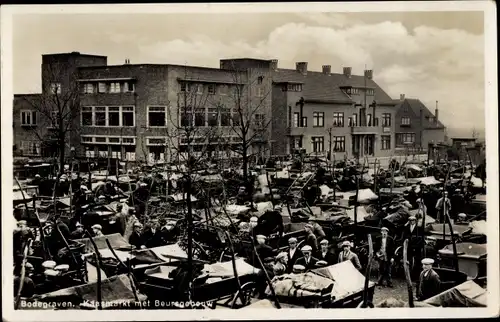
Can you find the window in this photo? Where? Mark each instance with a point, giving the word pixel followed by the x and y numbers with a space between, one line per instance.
pixel 157 116
pixel 318 119
pixel 55 88
pixel 304 121
pixel 386 119
pixel 102 88
pixel 368 120
pixel 260 79
pixel 28 118
pixel 223 89
pixel 87 116
pixel 260 121
pixel 114 140
pixel 128 118
pixel 113 116
pixel 354 120
pixel 128 86
pixel 405 120
pixel 386 142
pixel 338 143
pixel 100 116
pixel 212 117
pixel 370 91
pixel 211 89
pixel 88 88
pixel 225 117
pixel 260 92
pixel 114 88
pixel 185 87
pixel 128 140
pixel 338 119
pixel 296 117
pixel 100 139
pixel 352 91
pixel 236 118
pixel 405 138
pixel 199 89
pixel 30 147
pixel 87 139
pixel 199 117
pixel 294 87
pixel 318 143
pixel 186 115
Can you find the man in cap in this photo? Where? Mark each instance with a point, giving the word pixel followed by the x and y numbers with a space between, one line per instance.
pixel 265 252
pixel 311 239
pixel 280 265
pixel 325 254
pixel 298 269
pixel 136 236
pixel 457 202
pixel 153 237
pixel 461 218
pixel 293 253
pixel 385 250
pixel 443 207
pixel 79 232
pixel 412 196
pixel 415 242
pixel 318 230
pixel 28 284
pixel 429 282
pixel 308 261
pixel 97 230
pixel 169 231
pixel 347 255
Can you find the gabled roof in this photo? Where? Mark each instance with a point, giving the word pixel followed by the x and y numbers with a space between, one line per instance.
pixel 320 86
pixel 416 105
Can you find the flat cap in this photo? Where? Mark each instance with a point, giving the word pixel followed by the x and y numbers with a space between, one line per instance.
pixel 427 261
pixel 292 240
pixel 384 229
pixel 412 218
pixel 49 264
pixel 97 226
pixel 306 248
pixel 324 242
pixel 261 237
pixel 298 268
pixel 346 243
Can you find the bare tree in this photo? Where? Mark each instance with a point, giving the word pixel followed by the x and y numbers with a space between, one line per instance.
pixel 251 117
pixel 57 108
pixel 475 133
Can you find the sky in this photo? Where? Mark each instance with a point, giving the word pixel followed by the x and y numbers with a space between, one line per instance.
pixel 432 56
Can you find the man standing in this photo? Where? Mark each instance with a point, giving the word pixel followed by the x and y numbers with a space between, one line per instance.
pixel 429 283
pixel 443 207
pixel 415 243
pixel 348 255
pixel 325 254
pixel 385 246
pixel 136 236
pixel 153 237
pixel 307 260
pixel 293 253
pixel 311 239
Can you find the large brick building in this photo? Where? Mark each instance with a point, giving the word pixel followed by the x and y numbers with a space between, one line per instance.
pixel 129 111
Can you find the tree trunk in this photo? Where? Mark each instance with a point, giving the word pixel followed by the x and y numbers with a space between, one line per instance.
pixel 189 219
pixel 61 152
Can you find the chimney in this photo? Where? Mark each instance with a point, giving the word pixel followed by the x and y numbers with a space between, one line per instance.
pixel 369 74
pixel 436 113
pixel 301 67
pixel 127 61
pixel 274 64
pixel 347 71
pixel 401 97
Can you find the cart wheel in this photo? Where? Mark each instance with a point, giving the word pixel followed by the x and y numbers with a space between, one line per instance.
pixel 243 297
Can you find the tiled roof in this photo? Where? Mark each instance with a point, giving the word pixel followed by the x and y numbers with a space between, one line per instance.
pixel 416 105
pixel 320 86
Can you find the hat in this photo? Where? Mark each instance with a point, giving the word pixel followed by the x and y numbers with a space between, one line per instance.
pixel 51 272
pixel 308 226
pixel 384 229
pixel 49 264
pixel 306 248
pixel 298 268
pixel 97 226
pixel 320 263
pixel 281 255
pixel 462 215
pixel 412 218
pixel 102 197
pixel 292 240
pixel 427 261
pixel 260 237
pixel 254 219
pixel 143 184
pixel 457 190
pixel 22 222
pixel 83 187
pixel 37 176
pixel 137 224
pixel 29 266
pixel 62 267
pixel 324 242
pixel 346 243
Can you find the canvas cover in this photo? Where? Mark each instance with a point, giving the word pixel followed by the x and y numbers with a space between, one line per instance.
pixel 116 240
pixel 467 294
pixel 299 285
pixel 116 288
pixel 479 227
pixel 225 269
pixel 457 229
pixel 361 213
pixel 470 250
pixel 347 279
pixel 428 181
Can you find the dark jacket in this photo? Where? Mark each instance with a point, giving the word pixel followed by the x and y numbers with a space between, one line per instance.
pixel 308 266
pixel 329 257
pixel 264 251
pixel 312 241
pixel 429 285
pixel 414 237
pixel 291 260
pixel 350 257
pixel 151 240
pixel 135 240
pixel 389 247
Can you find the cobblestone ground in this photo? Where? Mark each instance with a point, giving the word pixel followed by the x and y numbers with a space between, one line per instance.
pixel 399 291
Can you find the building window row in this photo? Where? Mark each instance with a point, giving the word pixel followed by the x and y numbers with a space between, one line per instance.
pixel 108 87
pixel 405 120
pixel 405 138
pixel 31 148
pixel 292 88
pixel 28 118
pixel 386 119
pixel 108 116
pixel 210 89
pixel 386 142
pixel 318 119
pixel 318 144
pixel 338 119
pixel 212 117
pixel 338 144
pixel 117 140
pixel 357 91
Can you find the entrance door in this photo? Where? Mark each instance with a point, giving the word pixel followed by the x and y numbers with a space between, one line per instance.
pixel 368 144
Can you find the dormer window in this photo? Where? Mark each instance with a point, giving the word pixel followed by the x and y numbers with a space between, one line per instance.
pixel 370 91
pixel 292 88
